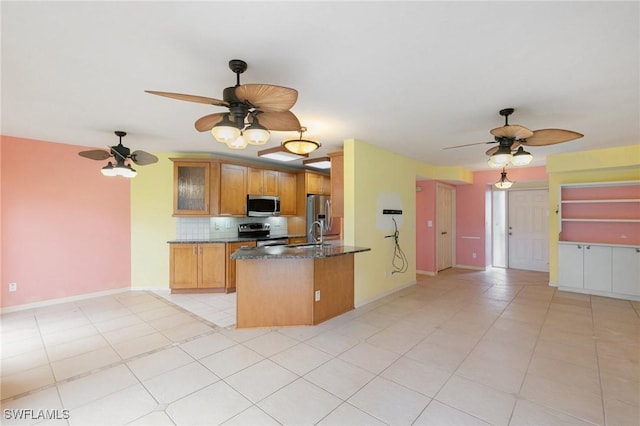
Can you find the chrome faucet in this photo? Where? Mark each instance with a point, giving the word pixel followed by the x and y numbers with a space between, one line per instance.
pixel 320 226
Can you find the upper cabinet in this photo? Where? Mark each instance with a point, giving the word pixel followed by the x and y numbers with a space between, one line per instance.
pixel 192 188
pixel 203 187
pixel 233 190
pixel 287 186
pixel 262 181
pixel 317 183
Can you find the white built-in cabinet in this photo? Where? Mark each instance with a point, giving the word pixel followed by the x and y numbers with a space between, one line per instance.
pixel 599 244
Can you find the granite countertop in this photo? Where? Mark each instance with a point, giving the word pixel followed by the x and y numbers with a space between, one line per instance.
pixel 299 251
pixel 231 239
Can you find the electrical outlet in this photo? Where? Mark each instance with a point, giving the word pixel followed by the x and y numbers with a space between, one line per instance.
pixel 317 295
pixel 217 225
pixel 474 255
pixel 13 286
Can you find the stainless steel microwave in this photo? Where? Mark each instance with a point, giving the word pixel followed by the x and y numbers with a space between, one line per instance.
pixel 263 205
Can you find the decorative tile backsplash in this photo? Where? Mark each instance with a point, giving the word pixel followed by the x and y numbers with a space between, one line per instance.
pixel 205 228
pixel 193 228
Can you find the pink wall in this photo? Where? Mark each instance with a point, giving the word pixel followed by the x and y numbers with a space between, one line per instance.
pixel 471 217
pixel 425 235
pixel 65 227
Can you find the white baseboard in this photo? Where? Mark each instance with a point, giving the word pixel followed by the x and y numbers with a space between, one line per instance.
pixel 431 273
pixel 600 293
pixel 475 268
pixel 385 294
pixel 57 301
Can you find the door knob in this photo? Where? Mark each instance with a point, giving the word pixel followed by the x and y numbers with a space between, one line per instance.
pixel 443 232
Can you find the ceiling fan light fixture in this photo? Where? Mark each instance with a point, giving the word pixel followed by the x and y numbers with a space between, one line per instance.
pixel 225 131
pixel 239 143
pixel 501 157
pixel 256 133
pixel 521 157
pixel 504 182
pixel 108 170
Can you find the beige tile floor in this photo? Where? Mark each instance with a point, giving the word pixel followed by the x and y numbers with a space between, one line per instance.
pixel 463 348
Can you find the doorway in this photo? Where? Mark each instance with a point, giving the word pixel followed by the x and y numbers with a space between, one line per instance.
pixel 445 212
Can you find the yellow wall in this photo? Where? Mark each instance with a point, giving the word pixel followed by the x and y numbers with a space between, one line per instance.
pixel 603 165
pixel 152 224
pixel 377 179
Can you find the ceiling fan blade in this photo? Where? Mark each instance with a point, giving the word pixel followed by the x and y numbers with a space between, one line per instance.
pixel 266 97
pixel 551 137
pixel 190 98
pixel 278 121
pixel 493 150
pixel 206 123
pixel 96 154
pixel 512 131
pixel 143 158
pixel 468 144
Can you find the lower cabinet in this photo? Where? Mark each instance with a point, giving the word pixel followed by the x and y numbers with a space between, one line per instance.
pixel 626 270
pixel 599 269
pixel 197 266
pixel 231 264
pixel 203 267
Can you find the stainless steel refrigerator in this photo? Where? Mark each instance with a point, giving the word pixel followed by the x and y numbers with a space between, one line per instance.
pixel 317 207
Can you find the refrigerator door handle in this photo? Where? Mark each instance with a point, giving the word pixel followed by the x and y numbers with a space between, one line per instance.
pixel 329 222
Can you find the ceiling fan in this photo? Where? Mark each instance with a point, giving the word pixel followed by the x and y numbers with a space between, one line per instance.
pixel 264 106
pixel 121 154
pixel 511 137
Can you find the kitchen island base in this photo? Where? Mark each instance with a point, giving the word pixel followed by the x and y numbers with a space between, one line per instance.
pixel 284 291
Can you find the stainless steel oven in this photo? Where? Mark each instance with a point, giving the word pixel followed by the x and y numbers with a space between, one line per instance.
pixel 262 234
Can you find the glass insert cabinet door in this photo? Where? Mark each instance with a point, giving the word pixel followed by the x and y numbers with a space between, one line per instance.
pixel 191 192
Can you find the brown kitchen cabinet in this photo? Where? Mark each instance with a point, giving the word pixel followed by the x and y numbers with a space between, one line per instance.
pixel 337 184
pixel 262 181
pixel 231 263
pixel 297 240
pixel 317 183
pixel 195 188
pixel 196 266
pixel 287 187
pixel 233 190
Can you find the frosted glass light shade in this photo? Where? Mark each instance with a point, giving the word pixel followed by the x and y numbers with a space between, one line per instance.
pixel 300 146
pixel 239 143
pixel 521 157
pixel 225 131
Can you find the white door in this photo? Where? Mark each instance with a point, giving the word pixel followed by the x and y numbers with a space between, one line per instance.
pixel 444 226
pixel 528 230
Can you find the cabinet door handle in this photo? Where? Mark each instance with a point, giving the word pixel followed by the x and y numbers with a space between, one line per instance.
pixel 444 232
pixel 579 246
pixel 637 250
pixel 588 247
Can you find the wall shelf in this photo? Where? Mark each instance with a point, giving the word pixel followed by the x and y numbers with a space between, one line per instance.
pixel 600 212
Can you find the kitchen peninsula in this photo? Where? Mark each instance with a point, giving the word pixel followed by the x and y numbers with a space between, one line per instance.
pixel 293 285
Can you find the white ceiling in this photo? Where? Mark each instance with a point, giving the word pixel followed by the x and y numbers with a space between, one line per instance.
pixel 410 77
